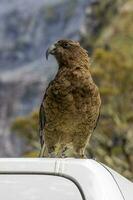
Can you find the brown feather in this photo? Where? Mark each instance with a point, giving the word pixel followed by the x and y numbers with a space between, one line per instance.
pixel 71 103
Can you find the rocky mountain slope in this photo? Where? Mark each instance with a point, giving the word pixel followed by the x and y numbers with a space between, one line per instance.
pixel 27 28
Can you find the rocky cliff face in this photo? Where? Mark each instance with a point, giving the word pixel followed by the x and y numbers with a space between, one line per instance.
pixel 27 28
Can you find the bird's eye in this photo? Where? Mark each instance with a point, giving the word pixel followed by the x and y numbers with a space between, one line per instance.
pixel 66 45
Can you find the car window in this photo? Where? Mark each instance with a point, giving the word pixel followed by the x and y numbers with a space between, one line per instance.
pixel 37 187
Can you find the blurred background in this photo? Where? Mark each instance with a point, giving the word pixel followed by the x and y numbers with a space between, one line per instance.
pixel 105 29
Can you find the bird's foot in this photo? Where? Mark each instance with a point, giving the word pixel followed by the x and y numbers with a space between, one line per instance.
pixel 80 156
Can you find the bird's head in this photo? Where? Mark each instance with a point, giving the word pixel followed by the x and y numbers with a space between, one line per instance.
pixel 67 52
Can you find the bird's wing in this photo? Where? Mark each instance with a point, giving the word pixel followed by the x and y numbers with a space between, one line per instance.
pixel 42 117
pixel 97 120
pixel 42 120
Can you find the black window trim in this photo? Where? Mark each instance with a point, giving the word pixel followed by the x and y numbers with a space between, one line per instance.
pixel 51 174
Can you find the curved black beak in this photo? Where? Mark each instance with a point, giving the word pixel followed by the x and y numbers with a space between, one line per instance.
pixel 50 50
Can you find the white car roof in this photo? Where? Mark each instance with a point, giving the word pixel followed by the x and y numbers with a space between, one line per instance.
pixel 95 180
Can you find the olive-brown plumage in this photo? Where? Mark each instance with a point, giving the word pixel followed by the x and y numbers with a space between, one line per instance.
pixel 71 104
